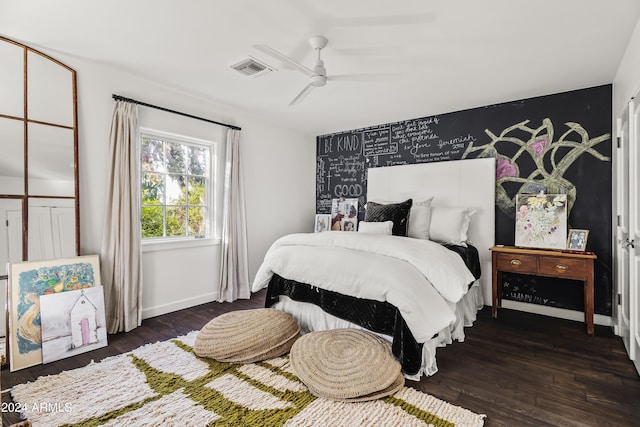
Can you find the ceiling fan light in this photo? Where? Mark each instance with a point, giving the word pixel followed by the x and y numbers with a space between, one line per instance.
pixel 319 80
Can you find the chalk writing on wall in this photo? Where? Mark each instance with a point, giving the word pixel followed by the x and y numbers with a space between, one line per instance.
pixel 560 143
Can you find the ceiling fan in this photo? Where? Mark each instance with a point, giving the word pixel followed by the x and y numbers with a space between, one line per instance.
pixel 317 74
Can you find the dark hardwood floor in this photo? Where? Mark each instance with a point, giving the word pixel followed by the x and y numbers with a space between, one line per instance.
pixel 520 370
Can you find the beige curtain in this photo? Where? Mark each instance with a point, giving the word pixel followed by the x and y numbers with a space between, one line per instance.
pixel 234 267
pixel 121 257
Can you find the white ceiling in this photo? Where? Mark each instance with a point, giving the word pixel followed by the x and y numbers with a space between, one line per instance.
pixel 434 56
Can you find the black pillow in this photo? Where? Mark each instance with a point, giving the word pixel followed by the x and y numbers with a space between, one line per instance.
pixel 396 212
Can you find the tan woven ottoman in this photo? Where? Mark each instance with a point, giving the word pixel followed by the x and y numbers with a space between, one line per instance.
pixel 247 336
pixel 346 364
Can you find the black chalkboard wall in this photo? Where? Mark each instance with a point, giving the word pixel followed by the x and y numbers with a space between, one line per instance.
pixel 560 143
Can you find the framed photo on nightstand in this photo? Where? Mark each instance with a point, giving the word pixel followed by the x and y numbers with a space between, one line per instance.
pixel 577 239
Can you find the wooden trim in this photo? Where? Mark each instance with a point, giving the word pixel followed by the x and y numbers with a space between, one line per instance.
pixel 76 158
pixel 30 49
pixel 25 170
pixel 4 116
pixel 39 122
pixel 549 252
pixel 51 197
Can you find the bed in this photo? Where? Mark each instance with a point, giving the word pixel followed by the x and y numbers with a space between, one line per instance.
pixel 417 292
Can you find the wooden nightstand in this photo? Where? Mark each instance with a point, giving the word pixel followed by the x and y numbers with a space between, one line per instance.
pixel 547 263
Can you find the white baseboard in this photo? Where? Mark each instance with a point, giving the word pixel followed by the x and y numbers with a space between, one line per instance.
pixel 178 305
pixel 561 313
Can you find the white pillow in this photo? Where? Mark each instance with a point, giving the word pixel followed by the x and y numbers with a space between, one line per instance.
pixel 450 225
pixel 420 219
pixel 375 227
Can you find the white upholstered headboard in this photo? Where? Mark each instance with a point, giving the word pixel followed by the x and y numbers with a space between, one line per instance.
pixel 456 183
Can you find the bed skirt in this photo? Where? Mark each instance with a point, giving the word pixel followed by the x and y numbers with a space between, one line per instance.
pixel 381 318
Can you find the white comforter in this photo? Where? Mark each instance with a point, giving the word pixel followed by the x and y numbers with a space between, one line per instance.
pixel 421 278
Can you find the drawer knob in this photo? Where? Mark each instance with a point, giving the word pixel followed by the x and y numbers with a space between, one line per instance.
pixel 516 262
pixel 563 267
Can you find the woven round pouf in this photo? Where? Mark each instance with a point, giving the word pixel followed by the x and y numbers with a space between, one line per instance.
pixel 346 365
pixel 247 336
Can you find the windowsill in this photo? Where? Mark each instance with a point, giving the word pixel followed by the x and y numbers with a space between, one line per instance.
pixel 170 244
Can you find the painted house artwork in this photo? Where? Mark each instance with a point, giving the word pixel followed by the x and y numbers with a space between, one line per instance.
pixel 29 282
pixel 84 322
pixel 72 323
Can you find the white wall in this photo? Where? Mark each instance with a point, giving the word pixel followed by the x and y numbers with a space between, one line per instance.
pixel 279 175
pixel 627 80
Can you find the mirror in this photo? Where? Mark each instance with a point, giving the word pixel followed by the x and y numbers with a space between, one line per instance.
pixel 50 161
pixel 12 159
pixel 39 164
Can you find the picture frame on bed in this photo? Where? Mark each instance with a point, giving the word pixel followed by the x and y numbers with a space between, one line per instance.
pixel 323 223
pixel 342 211
pixel 541 221
pixel 349 224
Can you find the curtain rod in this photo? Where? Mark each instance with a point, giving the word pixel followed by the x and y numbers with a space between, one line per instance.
pixel 144 104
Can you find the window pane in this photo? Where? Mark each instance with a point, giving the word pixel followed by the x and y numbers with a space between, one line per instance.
pixel 176 221
pixel 176 189
pixel 176 157
pixel 175 186
pixel 197 190
pixel 152 221
pixel 197 221
pixel 152 188
pixel 152 155
pixel 197 161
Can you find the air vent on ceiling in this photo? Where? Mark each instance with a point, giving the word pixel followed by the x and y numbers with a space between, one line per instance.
pixel 251 67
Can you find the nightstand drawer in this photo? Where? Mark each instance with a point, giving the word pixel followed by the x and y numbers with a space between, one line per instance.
pixel 563 267
pixel 517 263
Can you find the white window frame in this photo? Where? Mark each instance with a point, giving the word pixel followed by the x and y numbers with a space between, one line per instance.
pixel 168 243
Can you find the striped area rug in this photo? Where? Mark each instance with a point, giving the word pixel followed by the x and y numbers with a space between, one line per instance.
pixel 166 384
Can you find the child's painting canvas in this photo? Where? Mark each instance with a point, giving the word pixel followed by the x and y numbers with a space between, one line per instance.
pixel 72 323
pixel 27 282
pixel 541 221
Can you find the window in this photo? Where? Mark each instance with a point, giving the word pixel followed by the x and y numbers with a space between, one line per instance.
pixel 176 195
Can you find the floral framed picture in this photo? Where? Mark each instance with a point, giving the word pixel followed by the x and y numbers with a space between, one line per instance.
pixel 541 221
pixel 577 239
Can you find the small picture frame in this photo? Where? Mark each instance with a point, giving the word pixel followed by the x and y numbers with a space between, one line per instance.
pixel 349 224
pixel 577 239
pixel 323 223
pixel 344 210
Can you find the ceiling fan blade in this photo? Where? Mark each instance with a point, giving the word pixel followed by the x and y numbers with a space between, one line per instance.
pixel 280 57
pixel 365 77
pixel 304 92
